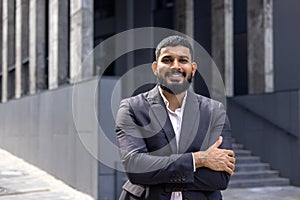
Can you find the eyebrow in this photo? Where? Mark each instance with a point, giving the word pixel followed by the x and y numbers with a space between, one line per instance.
pixel 168 56
pixel 185 57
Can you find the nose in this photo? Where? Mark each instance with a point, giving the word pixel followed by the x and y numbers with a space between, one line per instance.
pixel 176 65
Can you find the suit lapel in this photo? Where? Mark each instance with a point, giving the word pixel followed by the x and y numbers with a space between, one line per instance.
pixel 161 116
pixel 191 115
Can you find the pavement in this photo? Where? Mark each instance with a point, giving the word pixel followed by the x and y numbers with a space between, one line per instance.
pixel 19 180
pixel 263 193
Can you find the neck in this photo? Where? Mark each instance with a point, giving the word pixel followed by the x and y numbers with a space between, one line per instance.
pixel 175 101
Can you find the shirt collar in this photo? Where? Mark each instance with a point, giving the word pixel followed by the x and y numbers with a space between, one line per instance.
pixel 167 102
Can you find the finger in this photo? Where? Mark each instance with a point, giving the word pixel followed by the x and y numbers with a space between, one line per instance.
pixel 231 166
pixel 229 153
pixel 218 142
pixel 231 160
pixel 230 171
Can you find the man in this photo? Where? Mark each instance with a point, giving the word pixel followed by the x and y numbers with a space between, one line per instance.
pixel 173 143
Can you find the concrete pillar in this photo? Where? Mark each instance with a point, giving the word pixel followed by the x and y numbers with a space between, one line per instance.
pixel 37 46
pixel 222 41
pixel 22 37
pixel 58 43
pixel 8 48
pixel 81 39
pixel 260 46
pixel 184 17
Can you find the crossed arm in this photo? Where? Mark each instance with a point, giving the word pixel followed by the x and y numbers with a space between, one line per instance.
pixel 215 158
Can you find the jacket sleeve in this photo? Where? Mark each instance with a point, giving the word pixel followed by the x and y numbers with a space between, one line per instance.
pixel 207 179
pixel 142 167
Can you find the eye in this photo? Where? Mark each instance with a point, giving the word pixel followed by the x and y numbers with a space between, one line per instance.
pixel 166 60
pixel 184 61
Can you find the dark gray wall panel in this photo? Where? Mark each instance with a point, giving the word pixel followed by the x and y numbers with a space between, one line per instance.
pixel 41 130
pixel 256 124
pixel 280 108
pixel 110 96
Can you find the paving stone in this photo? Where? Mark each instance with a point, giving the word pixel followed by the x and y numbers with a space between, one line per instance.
pixel 266 193
pixel 20 180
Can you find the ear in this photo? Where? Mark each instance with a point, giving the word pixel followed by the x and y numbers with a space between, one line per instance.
pixel 194 68
pixel 154 68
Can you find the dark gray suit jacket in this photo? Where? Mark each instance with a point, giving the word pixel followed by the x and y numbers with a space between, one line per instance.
pixel 153 163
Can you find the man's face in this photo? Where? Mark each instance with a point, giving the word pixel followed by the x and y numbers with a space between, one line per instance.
pixel 174 69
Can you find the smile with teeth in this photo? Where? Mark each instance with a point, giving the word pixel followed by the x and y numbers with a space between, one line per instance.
pixel 177 76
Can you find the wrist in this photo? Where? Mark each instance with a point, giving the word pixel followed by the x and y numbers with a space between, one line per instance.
pixel 200 158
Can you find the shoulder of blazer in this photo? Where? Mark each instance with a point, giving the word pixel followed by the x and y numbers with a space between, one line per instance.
pixel 208 102
pixel 150 97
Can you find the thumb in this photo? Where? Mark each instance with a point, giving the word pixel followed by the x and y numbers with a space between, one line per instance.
pixel 218 142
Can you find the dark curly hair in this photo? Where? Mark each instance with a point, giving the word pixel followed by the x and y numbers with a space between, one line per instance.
pixel 173 41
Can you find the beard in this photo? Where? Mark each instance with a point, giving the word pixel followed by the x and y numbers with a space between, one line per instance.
pixel 175 87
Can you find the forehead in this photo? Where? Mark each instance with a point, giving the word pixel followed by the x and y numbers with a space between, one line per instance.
pixel 175 51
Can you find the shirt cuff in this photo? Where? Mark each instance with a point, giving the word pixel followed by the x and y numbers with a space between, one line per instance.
pixel 194 164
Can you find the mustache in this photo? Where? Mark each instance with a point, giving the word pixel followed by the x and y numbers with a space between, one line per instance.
pixel 173 72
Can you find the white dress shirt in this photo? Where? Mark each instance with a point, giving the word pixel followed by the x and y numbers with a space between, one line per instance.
pixel 176 120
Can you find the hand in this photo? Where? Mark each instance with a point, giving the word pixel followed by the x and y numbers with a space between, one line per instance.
pixel 215 158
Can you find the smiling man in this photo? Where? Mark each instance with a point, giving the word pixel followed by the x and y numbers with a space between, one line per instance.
pixel 173 143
